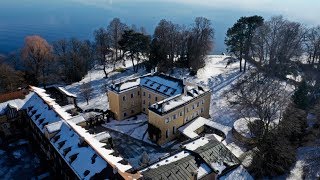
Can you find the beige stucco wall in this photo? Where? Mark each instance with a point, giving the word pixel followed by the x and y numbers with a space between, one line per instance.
pixel 129 106
pixel 160 121
pixel 113 99
pixel 146 101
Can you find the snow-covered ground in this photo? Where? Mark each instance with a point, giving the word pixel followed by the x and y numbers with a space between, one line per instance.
pixel 215 75
pixel 99 83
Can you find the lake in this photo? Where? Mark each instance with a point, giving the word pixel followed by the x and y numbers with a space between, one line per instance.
pixel 59 19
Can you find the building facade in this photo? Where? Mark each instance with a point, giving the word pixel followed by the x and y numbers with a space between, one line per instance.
pixel 169 103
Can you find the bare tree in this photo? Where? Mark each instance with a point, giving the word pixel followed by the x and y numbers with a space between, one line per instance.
pixel 239 37
pixel 200 42
pixel 265 99
pixel 102 44
pixel 86 91
pixel 166 35
pixel 260 97
pixel 10 79
pixel 115 30
pixel 37 54
pixel 278 44
pixel 313 44
pixel 74 58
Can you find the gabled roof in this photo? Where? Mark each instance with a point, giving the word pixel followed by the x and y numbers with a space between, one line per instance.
pixel 201 155
pixel 82 158
pixel 174 102
pixel 49 116
pixel 182 165
pixel 67 93
pixel 160 83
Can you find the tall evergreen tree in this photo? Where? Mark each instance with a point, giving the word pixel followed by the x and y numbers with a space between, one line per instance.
pixel 300 96
pixel 239 37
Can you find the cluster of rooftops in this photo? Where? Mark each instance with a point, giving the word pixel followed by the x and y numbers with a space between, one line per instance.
pixel 85 153
pixel 88 155
pixel 177 91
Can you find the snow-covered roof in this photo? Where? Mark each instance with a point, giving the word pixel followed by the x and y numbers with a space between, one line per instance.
pixel 160 83
pixel 240 173
pixel 164 84
pixel 173 102
pixel 180 165
pixel 63 90
pixel 196 143
pixel 214 153
pixel 40 112
pixel 83 159
pixel 47 114
pixel 190 128
pixel 129 84
pixel 99 147
pixel 77 119
pixel 18 103
pixel 53 127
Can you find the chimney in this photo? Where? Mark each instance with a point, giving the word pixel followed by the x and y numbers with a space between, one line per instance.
pixel 185 89
pixel 194 175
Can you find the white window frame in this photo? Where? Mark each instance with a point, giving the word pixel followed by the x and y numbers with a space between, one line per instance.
pixel 167 133
pixel 167 120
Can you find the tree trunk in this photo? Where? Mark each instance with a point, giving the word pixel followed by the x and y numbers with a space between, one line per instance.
pixel 240 60
pixel 245 65
pixel 133 65
pixel 104 70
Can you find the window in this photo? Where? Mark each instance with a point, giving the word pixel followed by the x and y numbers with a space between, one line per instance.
pixel 181 113
pixel 131 95
pixel 167 120
pixel 174 116
pixel 198 104
pixel 187 109
pixel 202 110
pixel 173 130
pixel 124 114
pixel 144 101
pixel 144 109
pixel 193 106
pixel 156 98
pixel 149 104
pixel 167 133
pixel 138 93
pixel 144 93
pixel 132 111
pixel 202 101
pixel 123 98
pixel 149 95
pixel 187 119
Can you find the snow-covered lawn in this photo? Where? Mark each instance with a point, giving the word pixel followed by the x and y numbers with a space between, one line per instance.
pixel 307 165
pixel 99 83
